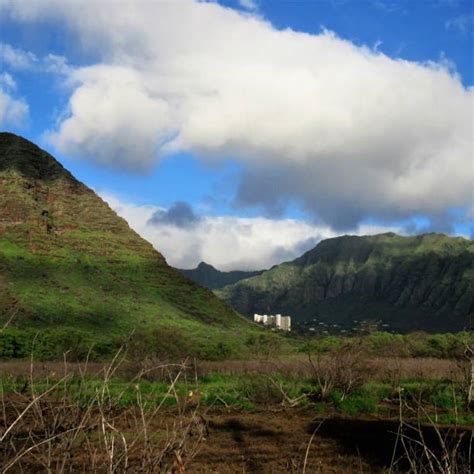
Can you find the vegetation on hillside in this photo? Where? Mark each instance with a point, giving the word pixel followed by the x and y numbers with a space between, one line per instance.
pixel 412 283
pixel 208 276
pixel 74 274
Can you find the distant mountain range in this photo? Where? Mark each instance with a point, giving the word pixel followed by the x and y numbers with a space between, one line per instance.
pixel 424 282
pixel 69 264
pixel 208 276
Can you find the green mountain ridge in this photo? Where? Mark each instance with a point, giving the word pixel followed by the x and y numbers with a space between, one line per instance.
pixel 208 276
pixel 424 282
pixel 69 264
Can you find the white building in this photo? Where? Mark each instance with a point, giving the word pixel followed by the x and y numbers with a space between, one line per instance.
pixel 278 321
pixel 258 318
pixel 285 324
pixel 275 321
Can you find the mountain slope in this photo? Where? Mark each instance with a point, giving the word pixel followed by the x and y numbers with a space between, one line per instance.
pixel 424 282
pixel 68 262
pixel 208 276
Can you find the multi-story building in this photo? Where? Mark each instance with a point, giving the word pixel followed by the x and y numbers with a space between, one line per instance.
pixel 285 324
pixel 274 321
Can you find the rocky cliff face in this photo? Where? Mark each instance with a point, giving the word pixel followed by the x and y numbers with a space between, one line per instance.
pixel 208 276
pixel 66 259
pixel 424 282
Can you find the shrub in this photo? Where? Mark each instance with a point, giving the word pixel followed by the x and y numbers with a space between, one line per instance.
pixel 344 369
pixel 164 343
pixel 260 389
pixel 355 405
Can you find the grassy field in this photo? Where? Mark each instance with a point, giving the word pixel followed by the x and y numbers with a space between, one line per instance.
pixel 279 414
pixel 366 394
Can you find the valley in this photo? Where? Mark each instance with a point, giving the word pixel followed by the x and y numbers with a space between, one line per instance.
pixel 113 361
pixel 392 282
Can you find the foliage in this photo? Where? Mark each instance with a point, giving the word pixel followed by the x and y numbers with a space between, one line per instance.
pixel 78 276
pixel 418 344
pixel 419 282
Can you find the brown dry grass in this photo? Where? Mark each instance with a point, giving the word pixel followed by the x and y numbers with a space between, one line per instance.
pixel 380 368
pixel 45 429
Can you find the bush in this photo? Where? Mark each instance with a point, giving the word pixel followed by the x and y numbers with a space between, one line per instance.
pixel 344 369
pixel 218 351
pixel 53 343
pixel 164 343
pixel 441 346
pixel 355 405
pixel 265 344
pixel 260 389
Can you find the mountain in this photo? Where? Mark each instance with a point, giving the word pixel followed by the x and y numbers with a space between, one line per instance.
pixel 424 282
pixel 73 272
pixel 208 276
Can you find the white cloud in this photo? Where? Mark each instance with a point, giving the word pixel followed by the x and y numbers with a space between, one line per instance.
pixel 19 59
pixel 7 81
pixel 127 125
pixel 16 58
pixel 464 24
pixel 227 242
pixel 13 111
pixel 345 130
pixel 250 5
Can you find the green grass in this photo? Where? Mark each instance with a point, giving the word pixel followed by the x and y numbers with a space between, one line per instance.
pixel 441 400
pixel 71 301
pixel 76 275
pixel 441 346
pixel 356 405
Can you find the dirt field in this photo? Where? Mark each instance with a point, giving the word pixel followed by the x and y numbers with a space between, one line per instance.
pixel 274 441
pixel 211 439
pixel 298 441
pixel 266 440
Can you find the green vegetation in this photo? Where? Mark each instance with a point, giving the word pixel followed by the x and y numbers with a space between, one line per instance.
pixel 410 283
pixel 75 278
pixel 209 277
pixel 383 344
pixel 74 275
pixel 442 398
pixel 75 302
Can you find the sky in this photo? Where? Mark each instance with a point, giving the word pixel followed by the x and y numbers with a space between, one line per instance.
pixel 242 132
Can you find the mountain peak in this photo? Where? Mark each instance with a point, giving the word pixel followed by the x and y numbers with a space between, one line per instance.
pixel 19 154
pixel 208 276
pixel 68 261
pixel 204 265
pixel 40 198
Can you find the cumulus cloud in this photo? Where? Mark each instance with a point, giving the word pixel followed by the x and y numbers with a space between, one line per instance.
pixel 346 131
pixel 113 118
pixel 226 242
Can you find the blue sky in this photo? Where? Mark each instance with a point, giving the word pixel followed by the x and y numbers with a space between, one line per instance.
pixel 223 108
